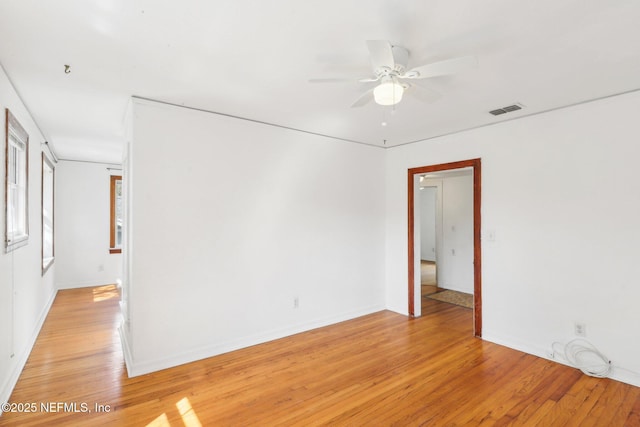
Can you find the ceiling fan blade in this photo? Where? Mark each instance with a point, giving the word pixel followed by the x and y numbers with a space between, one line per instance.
pixel 330 80
pixel 381 54
pixel 441 68
pixel 364 99
pixel 422 93
pixel 369 80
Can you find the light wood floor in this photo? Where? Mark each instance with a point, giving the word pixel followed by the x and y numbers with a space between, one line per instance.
pixel 428 283
pixel 377 370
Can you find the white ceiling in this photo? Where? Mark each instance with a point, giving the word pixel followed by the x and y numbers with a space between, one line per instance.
pixel 253 59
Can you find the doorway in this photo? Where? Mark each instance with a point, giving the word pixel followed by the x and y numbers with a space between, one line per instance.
pixel 430 234
pixel 414 264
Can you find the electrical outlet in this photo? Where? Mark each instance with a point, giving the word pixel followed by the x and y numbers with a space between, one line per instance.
pixel 580 329
pixel 101 267
pixel 296 302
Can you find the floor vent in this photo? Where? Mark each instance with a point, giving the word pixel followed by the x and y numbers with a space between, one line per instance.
pixel 504 110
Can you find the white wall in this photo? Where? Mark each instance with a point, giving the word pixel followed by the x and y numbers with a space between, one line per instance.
pixel 456 269
pixel 25 295
pixel 232 220
pixel 427 223
pixel 560 194
pixel 82 226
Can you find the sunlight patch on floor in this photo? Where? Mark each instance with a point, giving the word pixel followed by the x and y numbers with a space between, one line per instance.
pixel 189 417
pixel 102 293
pixel 161 421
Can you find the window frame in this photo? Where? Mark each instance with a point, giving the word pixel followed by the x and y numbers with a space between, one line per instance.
pixel 113 248
pixel 20 168
pixel 48 194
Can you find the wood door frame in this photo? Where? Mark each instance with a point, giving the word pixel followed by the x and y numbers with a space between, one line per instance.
pixel 477 253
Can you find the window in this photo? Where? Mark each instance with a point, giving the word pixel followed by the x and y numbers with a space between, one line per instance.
pixel 115 234
pixel 47 213
pixel 16 184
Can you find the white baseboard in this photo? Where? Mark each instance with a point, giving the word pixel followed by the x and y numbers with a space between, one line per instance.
pixel 136 368
pixel 457 289
pixel 23 354
pixel 126 348
pixel 625 376
pixel 77 285
pixel 618 373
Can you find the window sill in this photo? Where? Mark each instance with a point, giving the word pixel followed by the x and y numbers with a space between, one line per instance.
pixel 46 263
pixel 16 243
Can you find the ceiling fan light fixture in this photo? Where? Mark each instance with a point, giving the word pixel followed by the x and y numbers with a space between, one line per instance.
pixel 388 93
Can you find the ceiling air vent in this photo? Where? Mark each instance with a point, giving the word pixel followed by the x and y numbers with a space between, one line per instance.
pixel 503 110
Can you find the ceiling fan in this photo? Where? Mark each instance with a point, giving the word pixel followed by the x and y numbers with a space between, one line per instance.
pixel 390 69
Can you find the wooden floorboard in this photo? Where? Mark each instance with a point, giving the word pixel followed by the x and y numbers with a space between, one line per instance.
pixel 381 369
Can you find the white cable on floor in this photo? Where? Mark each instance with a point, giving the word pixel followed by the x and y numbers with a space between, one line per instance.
pixel 583 355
